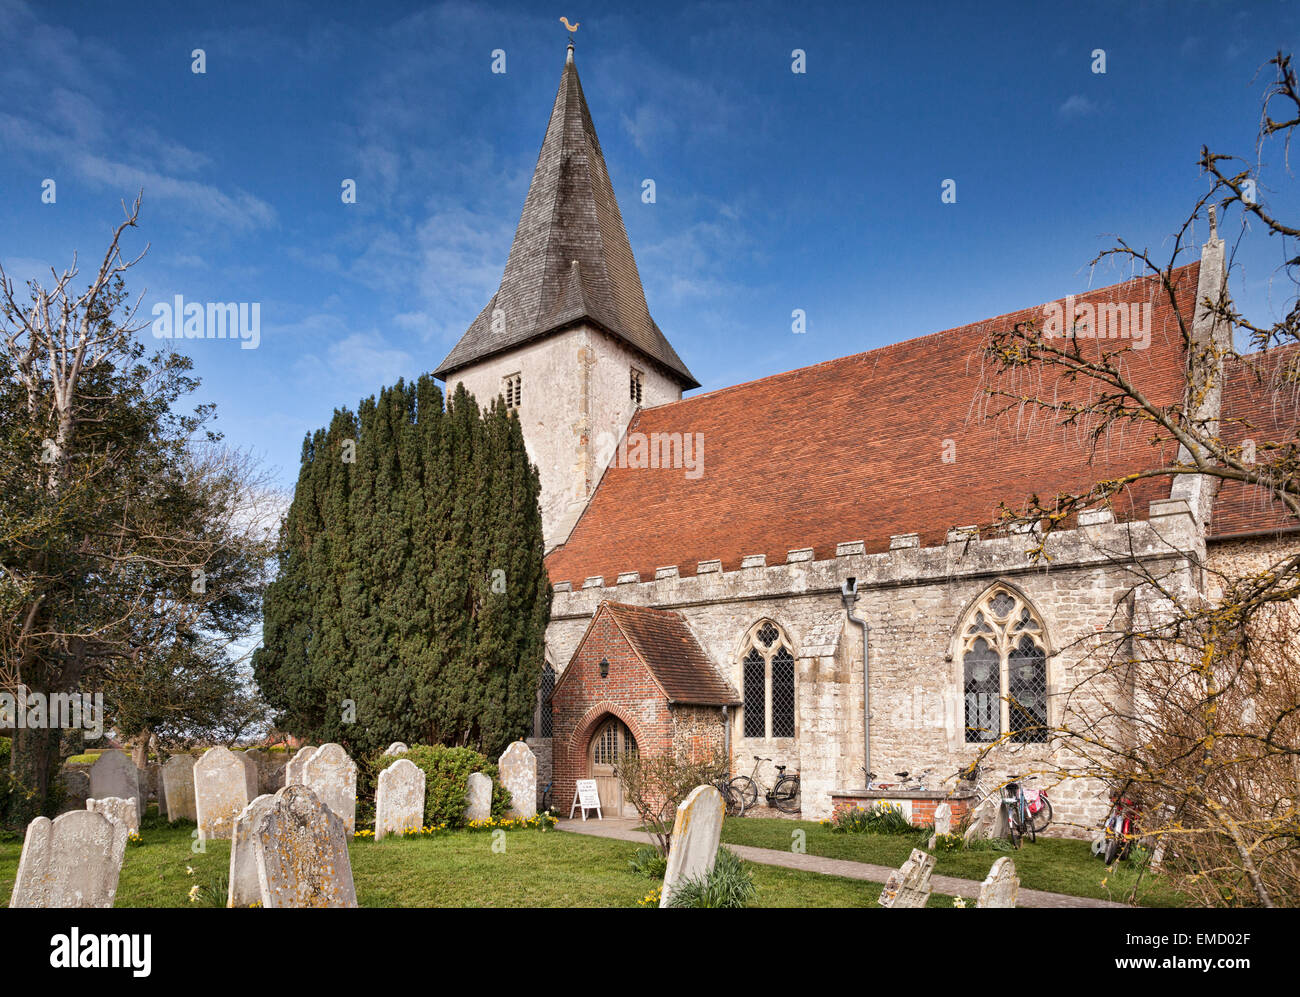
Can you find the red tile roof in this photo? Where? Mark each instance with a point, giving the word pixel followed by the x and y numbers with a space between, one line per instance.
pixel 664 641
pixel 1259 407
pixel 852 449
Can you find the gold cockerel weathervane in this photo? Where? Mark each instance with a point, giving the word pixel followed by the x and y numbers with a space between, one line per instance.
pixel 571 28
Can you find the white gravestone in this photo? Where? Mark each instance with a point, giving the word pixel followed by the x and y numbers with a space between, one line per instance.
pixel 220 792
pixel 178 787
pixel 942 822
pixel 478 797
pixel 697 829
pixel 127 811
pixel 114 774
pixel 1001 887
pixel 332 776
pixel 243 889
pixel 302 853
pixel 517 769
pixel 909 886
pixel 396 748
pixel 399 800
pixel 293 769
pixel 71 861
pixel 983 819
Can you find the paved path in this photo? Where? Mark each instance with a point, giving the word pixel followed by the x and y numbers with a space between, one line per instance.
pixel 626 830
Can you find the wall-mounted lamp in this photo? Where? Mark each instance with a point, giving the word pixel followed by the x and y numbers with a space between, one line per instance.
pixel 604 668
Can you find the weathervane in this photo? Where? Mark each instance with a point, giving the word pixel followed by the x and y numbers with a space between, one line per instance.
pixel 571 28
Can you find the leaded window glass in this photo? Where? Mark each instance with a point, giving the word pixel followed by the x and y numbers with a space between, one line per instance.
pixel 767 673
pixel 1004 670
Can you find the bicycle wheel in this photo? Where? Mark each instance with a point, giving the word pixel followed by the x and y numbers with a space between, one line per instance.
pixel 748 790
pixel 735 805
pixel 785 795
pixel 1044 815
pixel 1112 849
pixel 1028 826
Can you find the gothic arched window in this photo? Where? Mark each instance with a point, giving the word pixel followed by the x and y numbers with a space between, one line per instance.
pixel 767 674
pixel 1004 669
pixel 543 718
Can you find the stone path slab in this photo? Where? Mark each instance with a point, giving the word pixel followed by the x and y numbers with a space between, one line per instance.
pixel 626 830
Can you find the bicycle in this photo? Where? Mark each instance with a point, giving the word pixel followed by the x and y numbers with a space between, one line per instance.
pixel 1020 822
pixel 735 802
pixel 1118 831
pixel 784 796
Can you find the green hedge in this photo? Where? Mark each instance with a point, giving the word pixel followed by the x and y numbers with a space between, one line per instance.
pixel 446 773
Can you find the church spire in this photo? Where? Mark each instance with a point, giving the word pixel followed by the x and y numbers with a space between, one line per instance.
pixel 570 262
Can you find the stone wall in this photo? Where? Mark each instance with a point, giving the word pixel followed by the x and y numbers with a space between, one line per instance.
pixel 914 600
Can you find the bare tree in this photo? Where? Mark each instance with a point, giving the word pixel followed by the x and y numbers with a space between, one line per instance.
pixel 126 530
pixel 1189 700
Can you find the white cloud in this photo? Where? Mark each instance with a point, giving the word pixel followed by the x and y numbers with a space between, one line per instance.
pixel 1077 106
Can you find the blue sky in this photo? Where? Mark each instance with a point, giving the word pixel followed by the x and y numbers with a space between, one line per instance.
pixel 775 191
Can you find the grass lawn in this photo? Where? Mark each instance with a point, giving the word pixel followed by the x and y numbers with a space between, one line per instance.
pixel 1055 864
pixel 459 869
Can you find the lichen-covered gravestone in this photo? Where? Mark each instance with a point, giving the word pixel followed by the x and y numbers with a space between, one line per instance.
pixel 517 769
pixel 478 797
pixel 909 885
pixel 1001 886
pixel 243 889
pixel 71 861
pixel 396 748
pixel 114 774
pixel 697 829
pixel 178 787
pixel 302 853
pixel 332 776
pixel 293 769
pixel 220 792
pixel 127 811
pixel 399 800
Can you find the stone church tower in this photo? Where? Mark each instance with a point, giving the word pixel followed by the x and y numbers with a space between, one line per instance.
pixel 568 340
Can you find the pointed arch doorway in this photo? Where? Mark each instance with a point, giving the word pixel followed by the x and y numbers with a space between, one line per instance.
pixel 610 741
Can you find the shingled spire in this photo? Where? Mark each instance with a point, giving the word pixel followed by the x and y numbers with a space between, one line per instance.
pixel 571 261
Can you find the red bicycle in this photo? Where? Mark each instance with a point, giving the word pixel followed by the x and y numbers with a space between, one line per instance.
pixel 1117 834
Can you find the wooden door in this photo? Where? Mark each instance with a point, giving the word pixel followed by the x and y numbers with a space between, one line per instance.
pixel 611 740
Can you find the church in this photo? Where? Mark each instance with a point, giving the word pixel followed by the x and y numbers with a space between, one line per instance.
pixel 804 568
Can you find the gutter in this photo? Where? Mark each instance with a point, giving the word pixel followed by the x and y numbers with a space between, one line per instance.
pixel 849 595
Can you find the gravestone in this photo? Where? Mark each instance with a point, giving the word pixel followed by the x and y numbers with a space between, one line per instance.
pixel 396 748
pixel 302 853
pixel 250 774
pixel 517 769
pixel 909 885
pixel 1001 886
pixel 220 792
pixel 260 765
pixel 697 829
pixel 243 889
pixel 332 776
pixel 114 774
pixel 76 788
pixel 127 811
pixel 71 861
pixel 178 787
pixel 399 800
pixel 478 805
pixel 293 770
pixel 982 819
pixel 942 822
